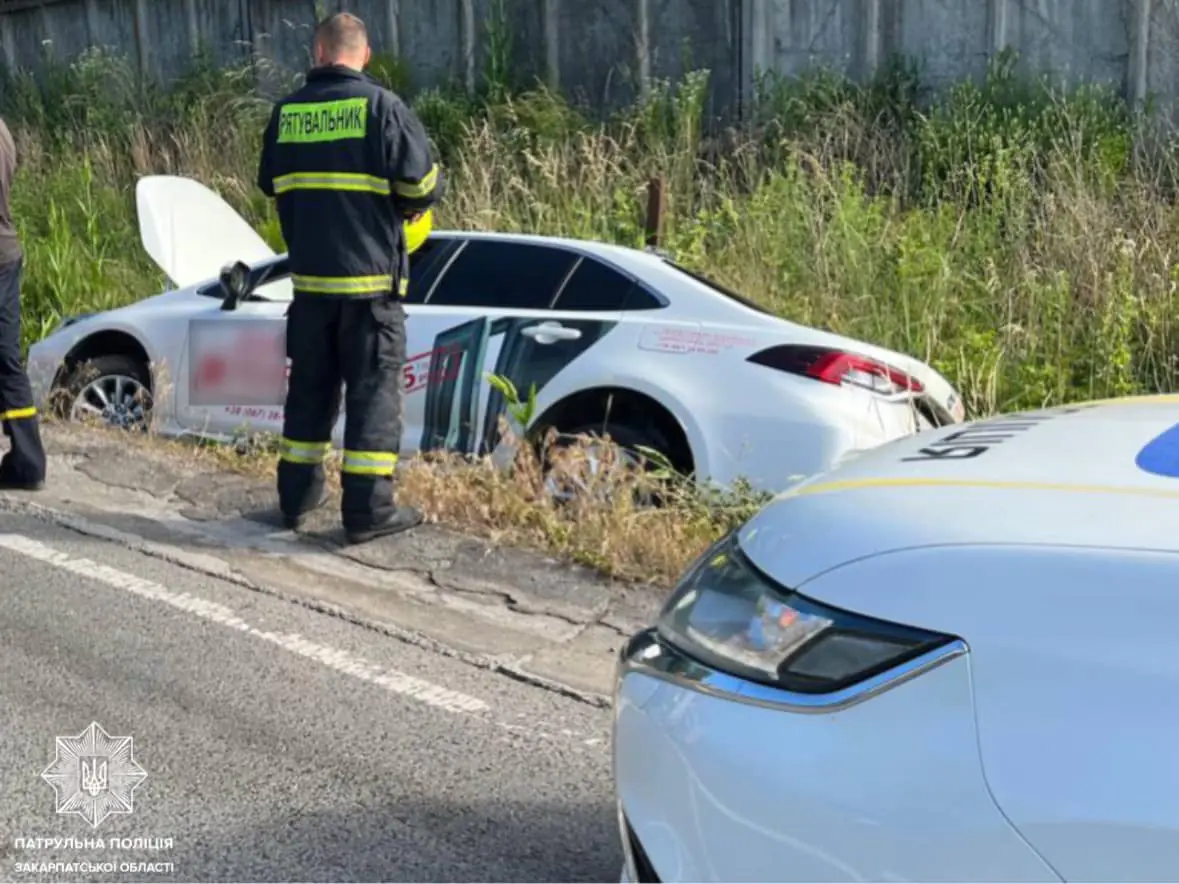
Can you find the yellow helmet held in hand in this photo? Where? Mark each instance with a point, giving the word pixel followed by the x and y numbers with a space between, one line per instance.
pixel 417 232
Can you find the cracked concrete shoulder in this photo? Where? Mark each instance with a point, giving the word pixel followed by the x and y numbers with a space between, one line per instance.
pixel 553 621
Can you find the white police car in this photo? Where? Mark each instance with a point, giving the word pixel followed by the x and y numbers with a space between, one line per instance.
pixel 954 658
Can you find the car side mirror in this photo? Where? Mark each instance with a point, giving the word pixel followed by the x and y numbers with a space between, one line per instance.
pixel 235 282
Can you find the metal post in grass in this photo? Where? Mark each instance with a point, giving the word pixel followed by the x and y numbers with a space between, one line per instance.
pixel 656 210
pixel 142 54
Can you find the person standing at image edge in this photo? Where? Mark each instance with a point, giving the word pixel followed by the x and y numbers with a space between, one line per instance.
pixel 348 164
pixel 23 465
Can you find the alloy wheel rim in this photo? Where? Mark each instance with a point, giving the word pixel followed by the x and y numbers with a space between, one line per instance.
pixel 559 490
pixel 115 400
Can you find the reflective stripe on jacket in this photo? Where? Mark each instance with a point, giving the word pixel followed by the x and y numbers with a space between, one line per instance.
pixel 347 162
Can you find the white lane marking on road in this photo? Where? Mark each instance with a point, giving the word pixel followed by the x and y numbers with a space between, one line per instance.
pixel 341 661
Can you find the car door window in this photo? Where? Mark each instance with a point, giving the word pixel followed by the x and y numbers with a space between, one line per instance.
pixel 595 287
pixel 425 265
pixel 489 275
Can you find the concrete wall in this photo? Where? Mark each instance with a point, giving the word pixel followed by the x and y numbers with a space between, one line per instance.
pixel 1129 44
pixel 604 51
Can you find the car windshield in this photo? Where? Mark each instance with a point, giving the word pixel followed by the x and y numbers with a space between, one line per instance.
pixel 261 274
pixel 717 287
pixel 273 270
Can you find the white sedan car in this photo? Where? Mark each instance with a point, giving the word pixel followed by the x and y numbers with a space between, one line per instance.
pixel 612 339
pixel 953 658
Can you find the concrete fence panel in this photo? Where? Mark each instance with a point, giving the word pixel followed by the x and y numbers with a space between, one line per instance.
pixel 606 52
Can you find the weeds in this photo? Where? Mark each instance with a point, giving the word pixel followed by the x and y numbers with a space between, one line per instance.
pixel 1021 238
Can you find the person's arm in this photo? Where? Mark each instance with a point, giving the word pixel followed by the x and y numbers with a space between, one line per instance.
pixel 266 162
pixel 413 174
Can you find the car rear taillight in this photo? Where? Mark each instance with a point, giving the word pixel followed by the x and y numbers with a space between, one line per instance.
pixel 837 367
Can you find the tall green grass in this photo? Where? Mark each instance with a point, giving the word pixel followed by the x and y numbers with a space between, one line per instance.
pixel 1022 238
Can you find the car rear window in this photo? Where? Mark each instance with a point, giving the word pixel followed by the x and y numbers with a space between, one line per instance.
pixel 717 287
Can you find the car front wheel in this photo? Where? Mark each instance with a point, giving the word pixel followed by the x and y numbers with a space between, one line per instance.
pixel 113 391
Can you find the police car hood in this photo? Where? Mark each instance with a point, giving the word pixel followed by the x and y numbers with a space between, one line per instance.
pixel 191 232
pixel 1095 474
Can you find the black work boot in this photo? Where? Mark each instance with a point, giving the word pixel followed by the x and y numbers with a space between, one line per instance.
pixel 11 483
pixel 295 522
pixel 401 519
pixel 22 468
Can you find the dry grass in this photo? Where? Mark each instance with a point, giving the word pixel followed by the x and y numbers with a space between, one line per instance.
pixel 603 526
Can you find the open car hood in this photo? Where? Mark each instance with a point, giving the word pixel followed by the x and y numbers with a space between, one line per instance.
pixel 190 232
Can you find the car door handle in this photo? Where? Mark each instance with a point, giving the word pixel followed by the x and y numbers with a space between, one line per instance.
pixel 550 333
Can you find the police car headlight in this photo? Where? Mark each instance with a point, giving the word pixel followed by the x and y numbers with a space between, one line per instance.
pixel 731 618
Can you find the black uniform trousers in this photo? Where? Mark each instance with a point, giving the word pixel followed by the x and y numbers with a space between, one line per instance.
pixel 24 462
pixel 361 344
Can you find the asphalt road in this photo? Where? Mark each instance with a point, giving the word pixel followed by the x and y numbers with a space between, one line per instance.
pixel 279 744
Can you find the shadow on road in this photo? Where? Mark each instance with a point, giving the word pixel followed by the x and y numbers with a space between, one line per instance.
pixel 415 839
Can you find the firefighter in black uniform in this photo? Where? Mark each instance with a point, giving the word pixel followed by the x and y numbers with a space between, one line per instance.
pixel 349 166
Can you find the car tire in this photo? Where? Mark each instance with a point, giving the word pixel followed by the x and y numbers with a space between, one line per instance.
pixel 116 388
pixel 629 439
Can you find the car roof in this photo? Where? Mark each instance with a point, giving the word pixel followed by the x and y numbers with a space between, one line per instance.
pixel 584 246
pixel 1096 474
pixel 654 270
pixel 650 266
pixel 624 255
